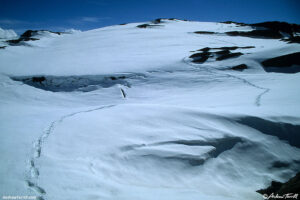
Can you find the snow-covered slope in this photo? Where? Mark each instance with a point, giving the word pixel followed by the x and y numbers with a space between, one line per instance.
pixel 123 112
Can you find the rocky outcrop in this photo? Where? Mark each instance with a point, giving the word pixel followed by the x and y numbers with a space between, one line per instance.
pixel 289 63
pixel 28 35
pixel 278 190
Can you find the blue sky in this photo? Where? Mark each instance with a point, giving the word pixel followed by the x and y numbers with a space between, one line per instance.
pixel 58 15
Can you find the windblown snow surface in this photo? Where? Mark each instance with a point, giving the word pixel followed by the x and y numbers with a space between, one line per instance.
pixel 7 34
pixel 122 112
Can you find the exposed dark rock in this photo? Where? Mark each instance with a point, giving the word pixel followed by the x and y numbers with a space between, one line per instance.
pixel 117 78
pixel 274 187
pixel 240 67
pixel 200 57
pixel 157 21
pixel 143 25
pixel 13 42
pixel 267 34
pixel 283 63
pixel 223 52
pixel 230 55
pixel 269 30
pixel 31 33
pixel 229 48
pixel 290 188
pixel 123 24
pixel 146 25
pixel 204 32
pixel 272 25
pixel 235 47
pixel 279 27
pixel 196 55
pixel 295 39
pixel 246 47
pixel 228 22
pixel 237 23
pixel 2 47
pixel 38 79
pixel 28 36
pixel 17 41
pixel 204 49
pixel 279 164
pixel 226 48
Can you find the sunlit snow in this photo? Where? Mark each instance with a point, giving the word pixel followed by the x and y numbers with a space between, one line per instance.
pixel 122 113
